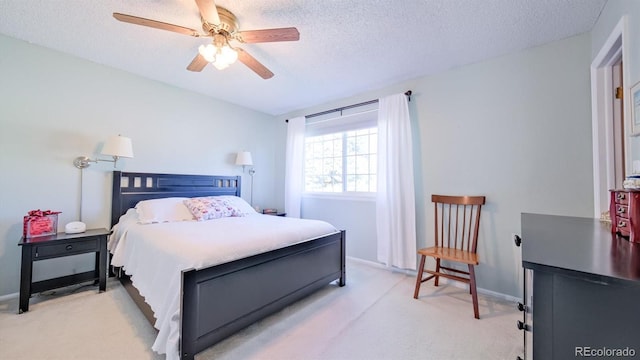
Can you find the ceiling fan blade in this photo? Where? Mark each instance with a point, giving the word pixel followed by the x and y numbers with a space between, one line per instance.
pixel 156 24
pixel 269 35
pixel 253 64
pixel 198 63
pixel 208 11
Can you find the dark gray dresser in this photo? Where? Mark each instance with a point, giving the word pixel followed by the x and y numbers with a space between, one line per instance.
pixel 583 298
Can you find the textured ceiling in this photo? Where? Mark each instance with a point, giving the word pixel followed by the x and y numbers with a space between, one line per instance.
pixel 346 47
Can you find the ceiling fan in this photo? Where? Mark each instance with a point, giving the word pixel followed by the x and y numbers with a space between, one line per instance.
pixel 221 25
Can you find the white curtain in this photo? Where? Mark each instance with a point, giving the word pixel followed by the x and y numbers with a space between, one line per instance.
pixel 294 166
pixel 395 201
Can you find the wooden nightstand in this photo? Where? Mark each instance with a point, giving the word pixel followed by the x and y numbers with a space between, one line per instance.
pixel 273 212
pixel 60 245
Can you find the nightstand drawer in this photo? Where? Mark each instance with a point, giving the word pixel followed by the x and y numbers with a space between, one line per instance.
pixel 69 248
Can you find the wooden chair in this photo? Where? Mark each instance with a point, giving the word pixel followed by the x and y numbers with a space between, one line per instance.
pixel 457 219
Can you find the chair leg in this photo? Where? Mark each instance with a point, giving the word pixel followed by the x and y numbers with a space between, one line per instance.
pixel 437 270
pixel 474 291
pixel 419 277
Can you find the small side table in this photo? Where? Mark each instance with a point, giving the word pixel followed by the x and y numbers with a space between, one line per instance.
pixel 275 213
pixel 60 245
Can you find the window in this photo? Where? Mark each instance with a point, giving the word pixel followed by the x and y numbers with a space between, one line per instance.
pixel 343 161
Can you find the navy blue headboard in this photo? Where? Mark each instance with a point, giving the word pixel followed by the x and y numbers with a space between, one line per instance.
pixel 129 188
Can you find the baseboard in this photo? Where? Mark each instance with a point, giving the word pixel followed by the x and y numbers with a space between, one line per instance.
pixel 382 266
pixel 482 291
pixel 445 281
pixel 9 296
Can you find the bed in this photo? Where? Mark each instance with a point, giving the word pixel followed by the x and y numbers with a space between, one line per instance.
pixel 217 301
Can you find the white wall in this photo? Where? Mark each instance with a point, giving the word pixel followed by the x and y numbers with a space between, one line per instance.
pixel 516 129
pixel 357 217
pixel 54 107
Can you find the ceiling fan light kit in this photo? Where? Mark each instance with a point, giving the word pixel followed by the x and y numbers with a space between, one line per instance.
pixel 221 25
pixel 219 54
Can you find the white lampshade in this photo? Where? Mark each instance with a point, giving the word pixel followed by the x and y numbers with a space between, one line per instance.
pixel 244 158
pixel 119 146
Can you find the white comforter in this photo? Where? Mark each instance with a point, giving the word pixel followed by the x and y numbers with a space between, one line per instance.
pixel 155 254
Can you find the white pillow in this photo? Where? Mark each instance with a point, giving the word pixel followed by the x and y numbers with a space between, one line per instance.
pixel 163 210
pixel 239 204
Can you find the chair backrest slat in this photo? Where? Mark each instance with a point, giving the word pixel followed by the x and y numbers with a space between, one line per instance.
pixel 455 237
pixel 449 227
pixel 435 221
pixel 464 240
pixel 460 224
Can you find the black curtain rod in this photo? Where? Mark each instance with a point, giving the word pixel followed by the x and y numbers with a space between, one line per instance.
pixel 407 93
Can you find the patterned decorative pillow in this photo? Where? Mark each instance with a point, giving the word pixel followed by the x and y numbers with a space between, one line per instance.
pixel 239 204
pixel 210 207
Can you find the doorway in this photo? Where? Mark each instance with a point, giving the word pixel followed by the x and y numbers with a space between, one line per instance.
pixel 610 150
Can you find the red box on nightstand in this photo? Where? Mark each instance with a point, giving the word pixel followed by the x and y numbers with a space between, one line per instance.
pixel 40 223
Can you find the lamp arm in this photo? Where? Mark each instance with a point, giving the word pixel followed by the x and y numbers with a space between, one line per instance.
pixel 82 162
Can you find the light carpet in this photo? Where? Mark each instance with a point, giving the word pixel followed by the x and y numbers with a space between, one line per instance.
pixel 373 317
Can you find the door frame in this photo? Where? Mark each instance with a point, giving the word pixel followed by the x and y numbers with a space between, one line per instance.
pixel 614 48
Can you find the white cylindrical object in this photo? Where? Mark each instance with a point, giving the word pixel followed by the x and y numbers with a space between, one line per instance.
pixel 118 146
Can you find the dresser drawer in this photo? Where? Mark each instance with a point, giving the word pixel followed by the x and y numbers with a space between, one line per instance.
pixel 76 247
pixel 623 226
pixel 622 198
pixel 622 210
